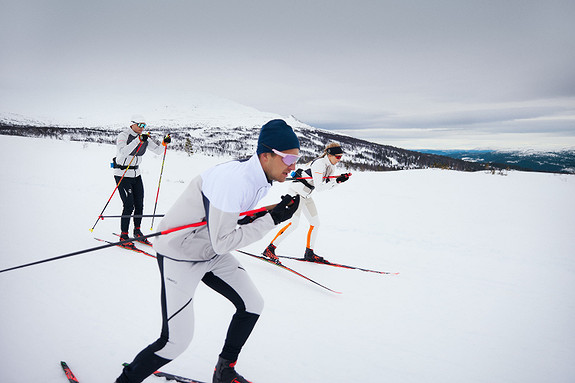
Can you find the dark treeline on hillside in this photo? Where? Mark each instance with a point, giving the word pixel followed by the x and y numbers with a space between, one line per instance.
pixel 359 154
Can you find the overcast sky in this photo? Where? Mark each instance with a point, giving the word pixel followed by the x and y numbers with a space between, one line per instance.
pixel 410 73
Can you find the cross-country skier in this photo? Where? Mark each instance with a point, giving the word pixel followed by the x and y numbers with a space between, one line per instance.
pixel 319 170
pixel 131 144
pixel 189 256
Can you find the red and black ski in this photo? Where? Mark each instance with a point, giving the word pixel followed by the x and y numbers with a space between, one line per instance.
pixel 338 265
pixel 261 257
pixel 68 372
pixel 177 378
pixel 135 249
pixel 168 376
pixel 143 241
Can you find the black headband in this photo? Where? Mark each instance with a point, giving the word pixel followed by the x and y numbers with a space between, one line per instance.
pixel 335 150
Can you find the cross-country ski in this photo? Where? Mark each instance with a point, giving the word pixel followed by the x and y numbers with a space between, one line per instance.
pixel 143 241
pixel 328 263
pixel 176 378
pixel 68 372
pixel 282 266
pixel 129 248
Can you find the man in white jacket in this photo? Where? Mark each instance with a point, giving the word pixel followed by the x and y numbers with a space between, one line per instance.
pixel 131 145
pixel 189 256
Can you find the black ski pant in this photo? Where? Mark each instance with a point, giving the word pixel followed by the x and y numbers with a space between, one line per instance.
pixel 131 192
pixel 223 274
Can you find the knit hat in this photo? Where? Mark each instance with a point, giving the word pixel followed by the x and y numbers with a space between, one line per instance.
pixel 278 135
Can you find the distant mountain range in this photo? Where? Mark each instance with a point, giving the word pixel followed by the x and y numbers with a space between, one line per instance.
pixel 359 154
pixel 554 162
pixel 214 126
pixel 241 142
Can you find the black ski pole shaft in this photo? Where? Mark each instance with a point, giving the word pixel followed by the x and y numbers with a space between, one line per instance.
pixel 159 182
pixel 116 188
pixel 168 231
pixel 105 246
pixel 308 178
pixel 76 253
pixel 132 216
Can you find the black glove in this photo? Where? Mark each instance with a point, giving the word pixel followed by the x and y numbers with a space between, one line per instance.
pixel 167 139
pixel 250 218
pixel 342 178
pixel 285 209
pixel 144 137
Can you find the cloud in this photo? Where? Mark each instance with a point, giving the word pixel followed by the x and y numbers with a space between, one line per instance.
pixel 449 64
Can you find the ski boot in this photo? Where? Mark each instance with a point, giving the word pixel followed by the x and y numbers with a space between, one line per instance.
pixel 270 252
pixel 138 233
pixel 225 373
pixel 127 245
pixel 310 256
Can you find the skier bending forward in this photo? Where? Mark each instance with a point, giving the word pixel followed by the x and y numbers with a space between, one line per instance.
pixel 189 256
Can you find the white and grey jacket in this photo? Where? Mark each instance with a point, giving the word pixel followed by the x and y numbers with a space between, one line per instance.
pixel 127 143
pixel 317 169
pixel 218 196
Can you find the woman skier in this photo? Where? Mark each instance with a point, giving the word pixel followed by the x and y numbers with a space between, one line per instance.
pixel 316 176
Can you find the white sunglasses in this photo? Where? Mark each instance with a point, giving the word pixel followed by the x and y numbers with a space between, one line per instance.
pixel 288 159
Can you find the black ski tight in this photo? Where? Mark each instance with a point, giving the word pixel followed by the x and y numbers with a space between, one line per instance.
pixel 131 192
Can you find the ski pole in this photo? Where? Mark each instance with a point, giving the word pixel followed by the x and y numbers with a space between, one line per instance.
pixel 309 178
pixel 131 216
pixel 116 188
pixel 103 246
pixel 159 181
pixel 168 231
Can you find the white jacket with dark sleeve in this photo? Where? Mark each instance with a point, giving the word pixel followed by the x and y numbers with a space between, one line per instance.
pixel 317 169
pixel 127 143
pixel 218 196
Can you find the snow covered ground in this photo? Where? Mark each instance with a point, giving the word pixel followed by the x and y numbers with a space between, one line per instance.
pixel 485 292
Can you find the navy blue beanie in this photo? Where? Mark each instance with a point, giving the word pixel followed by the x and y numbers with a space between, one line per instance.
pixel 278 135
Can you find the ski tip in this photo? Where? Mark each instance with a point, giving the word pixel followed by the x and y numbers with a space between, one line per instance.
pixel 91 230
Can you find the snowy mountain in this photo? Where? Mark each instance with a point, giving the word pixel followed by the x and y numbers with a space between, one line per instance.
pixel 240 141
pixel 204 123
pixel 209 125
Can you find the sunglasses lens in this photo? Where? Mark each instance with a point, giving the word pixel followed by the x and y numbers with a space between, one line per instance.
pixel 141 125
pixel 290 159
pixel 338 157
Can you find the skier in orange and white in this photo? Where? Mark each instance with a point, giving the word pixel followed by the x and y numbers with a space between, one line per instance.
pixel 317 175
